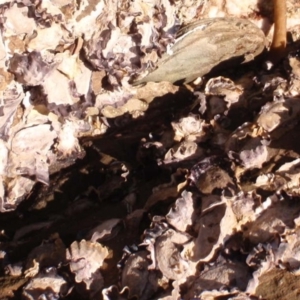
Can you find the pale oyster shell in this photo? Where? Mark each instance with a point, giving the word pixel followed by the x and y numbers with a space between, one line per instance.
pixel 191 128
pixel 279 116
pixel 85 260
pixel 48 285
pixel 104 231
pixel 180 215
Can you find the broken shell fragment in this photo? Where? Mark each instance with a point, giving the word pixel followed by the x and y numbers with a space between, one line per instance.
pixel 203 45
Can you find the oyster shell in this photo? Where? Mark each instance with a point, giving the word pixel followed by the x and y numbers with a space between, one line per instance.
pixel 277 117
pixel 46 286
pixel 142 283
pixel 85 259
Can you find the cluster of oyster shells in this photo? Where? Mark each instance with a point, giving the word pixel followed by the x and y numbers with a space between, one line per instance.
pixel 223 220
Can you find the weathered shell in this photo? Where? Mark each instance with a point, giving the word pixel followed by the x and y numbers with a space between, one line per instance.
pixel 85 259
pixel 141 281
pixel 203 45
pixel 181 214
pixel 47 285
pixel 279 116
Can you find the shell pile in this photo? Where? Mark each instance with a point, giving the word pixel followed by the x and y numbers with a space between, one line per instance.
pixel 157 191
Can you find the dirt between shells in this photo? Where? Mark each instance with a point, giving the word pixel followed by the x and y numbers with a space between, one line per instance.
pixel 158 191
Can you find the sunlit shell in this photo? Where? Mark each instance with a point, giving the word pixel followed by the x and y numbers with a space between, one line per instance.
pixel 85 259
pixel 190 128
pixel 279 115
pixel 105 231
pixel 113 293
pixel 47 285
pixel 180 215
